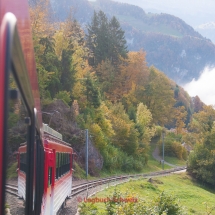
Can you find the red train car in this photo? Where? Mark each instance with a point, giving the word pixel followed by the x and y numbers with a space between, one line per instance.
pixel 56 171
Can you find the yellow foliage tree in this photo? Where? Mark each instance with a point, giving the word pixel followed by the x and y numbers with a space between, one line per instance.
pixel 180 117
pixel 126 136
pixel 40 24
pixel 159 97
pixel 144 120
pixel 118 82
pixel 134 70
pixel 202 122
pixel 98 136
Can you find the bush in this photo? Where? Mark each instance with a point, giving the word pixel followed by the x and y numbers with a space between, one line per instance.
pixel 87 208
pixel 167 204
pixel 79 172
pixel 64 96
pixel 115 159
pixel 13 119
pixel 128 204
pixel 184 153
pixel 201 164
pixel 173 148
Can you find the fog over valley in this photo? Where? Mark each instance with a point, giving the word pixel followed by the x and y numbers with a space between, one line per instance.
pixel 204 87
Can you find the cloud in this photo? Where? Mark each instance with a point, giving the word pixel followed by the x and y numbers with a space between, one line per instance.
pixel 204 87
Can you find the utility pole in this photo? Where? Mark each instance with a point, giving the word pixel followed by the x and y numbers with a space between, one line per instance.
pixel 163 149
pixel 87 142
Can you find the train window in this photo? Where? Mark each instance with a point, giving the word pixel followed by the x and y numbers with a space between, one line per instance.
pixel 22 162
pixel 57 165
pixel 68 162
pixel 63 158
pixel 72 160
pixel 16 142
pixel 65 163
pixel 50 176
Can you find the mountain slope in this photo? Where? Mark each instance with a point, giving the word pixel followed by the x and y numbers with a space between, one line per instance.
pixel 171 45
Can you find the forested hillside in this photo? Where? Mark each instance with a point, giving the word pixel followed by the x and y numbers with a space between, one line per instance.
pixel 112 92
pixel 171 45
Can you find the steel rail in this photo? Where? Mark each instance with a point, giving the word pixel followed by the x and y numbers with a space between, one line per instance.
pixel 12 189
pixel 91 184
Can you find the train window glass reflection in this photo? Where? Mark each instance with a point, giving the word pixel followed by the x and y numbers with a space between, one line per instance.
pixel 57 165
pixel 49 176
pixel 16 151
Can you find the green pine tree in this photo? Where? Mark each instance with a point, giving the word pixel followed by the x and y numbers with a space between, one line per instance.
pixel 92 93
pixel 105 40
pixel 68 71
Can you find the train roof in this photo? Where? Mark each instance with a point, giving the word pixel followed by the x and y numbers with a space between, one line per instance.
pixel 50 131
pixel 52 135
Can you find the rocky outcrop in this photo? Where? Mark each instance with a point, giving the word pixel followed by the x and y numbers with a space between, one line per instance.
pixel 62 118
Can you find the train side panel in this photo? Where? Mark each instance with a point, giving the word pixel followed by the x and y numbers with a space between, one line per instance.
pixel 58 176
pixel 62 190
pixel 22 172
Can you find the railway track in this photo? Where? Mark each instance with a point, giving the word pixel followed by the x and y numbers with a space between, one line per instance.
pixel 119 179
pixel 12 189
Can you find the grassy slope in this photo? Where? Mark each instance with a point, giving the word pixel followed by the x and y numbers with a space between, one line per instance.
pixel 191 194
pixel 11 171
pixel 175 161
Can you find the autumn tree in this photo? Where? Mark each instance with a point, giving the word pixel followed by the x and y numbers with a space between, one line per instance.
pixel 197 104
pixel 144 123
pixel 201 162
pixel 203 120
pixel 202 123
pixel 134 76
pixel 180 117
pixel 106 74
pixel 40 22
pixel 158 96
pixel 128 79
pixel 134 70
pixel 126 136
